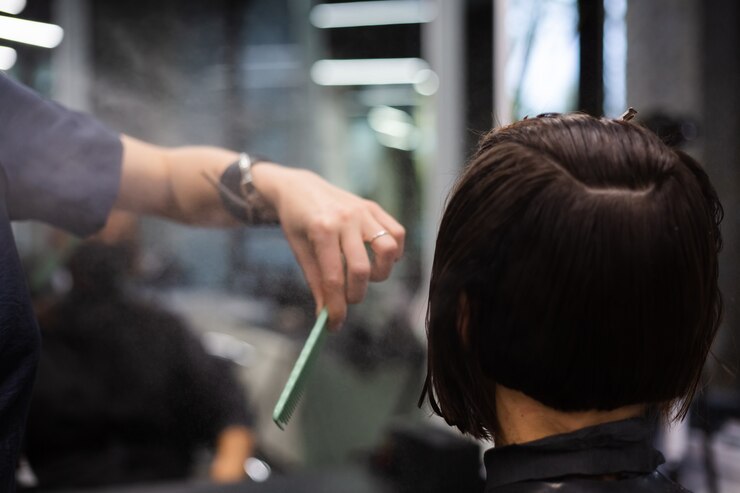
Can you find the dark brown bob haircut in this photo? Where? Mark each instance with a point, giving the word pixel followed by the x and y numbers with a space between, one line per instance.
pixel 582 255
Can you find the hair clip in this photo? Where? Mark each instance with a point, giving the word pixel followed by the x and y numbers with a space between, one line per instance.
pixel 548 115
pixel 628 115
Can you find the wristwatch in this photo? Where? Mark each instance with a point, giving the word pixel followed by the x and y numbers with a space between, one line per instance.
pixel 239 195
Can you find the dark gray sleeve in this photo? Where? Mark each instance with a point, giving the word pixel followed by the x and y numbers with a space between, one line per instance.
pixel 61 167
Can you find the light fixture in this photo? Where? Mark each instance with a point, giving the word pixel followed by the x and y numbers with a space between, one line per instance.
pixel 30 32
pixel 8 57
pixel 426 82
pixel 257 470
pixel 378 13
pixel 13 7
pixel 394 128
pixel 367 71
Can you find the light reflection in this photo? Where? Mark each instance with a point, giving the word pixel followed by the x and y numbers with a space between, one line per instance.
pixel 426 83
pixel 257 470
pixel 394 128
pixel 377 13
pixel 13 7
pixel 8 56
pixel 30 32
pixel 366 72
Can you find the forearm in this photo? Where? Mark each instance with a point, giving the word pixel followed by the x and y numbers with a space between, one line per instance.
pixel 172 183
pixel 194 198
pixel 234 446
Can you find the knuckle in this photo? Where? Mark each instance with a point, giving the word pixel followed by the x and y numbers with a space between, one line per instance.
pixel 360 272
pixel 382 272
pixel 333 283
pixel 321 226
pixel 345 213
pixel 372 205
pixel 398 232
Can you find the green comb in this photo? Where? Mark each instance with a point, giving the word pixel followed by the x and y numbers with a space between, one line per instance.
pixel 293 390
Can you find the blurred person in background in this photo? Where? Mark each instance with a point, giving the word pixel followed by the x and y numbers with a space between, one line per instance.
pixel 68 170
pixel 125 393
pixel 573 302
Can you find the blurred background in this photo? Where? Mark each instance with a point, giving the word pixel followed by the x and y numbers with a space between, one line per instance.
pixel 385 98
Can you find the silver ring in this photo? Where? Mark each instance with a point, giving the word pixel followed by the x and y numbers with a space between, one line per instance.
pixel 377 235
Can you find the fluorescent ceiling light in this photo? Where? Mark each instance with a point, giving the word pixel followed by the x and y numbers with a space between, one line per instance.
pixel 12 6
pixel 8 57
pixel 367 72
pixel 378 13
pixel 30 32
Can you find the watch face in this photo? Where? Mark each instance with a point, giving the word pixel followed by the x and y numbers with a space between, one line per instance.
pixel 245 166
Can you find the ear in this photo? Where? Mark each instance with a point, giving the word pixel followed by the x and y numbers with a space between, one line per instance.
pixel 463 319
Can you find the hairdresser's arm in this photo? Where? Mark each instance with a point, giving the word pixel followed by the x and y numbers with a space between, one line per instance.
pixel 326 226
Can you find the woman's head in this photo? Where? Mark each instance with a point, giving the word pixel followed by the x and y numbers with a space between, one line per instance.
pixel 576 262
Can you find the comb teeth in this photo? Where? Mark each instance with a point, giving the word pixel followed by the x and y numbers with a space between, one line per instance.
pixel 290 408
pixel 295 386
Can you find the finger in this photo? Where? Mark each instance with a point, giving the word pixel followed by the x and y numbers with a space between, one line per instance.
pixel 385 249
pixel 311 271
pixel 358 264
pixel 389 224
pixel 326 249
pixel 384 257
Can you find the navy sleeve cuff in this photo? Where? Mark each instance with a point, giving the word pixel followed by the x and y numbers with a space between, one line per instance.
pixel 62 167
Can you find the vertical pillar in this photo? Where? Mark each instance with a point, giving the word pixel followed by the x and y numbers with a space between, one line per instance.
pixel 719 130
pixel 591 68
pixel 501 102
pixel 70 61
pixel 442 47
pixel 663 50
pixel 479 60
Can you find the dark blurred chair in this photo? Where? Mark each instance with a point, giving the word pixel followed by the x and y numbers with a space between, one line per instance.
pixel 125 393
